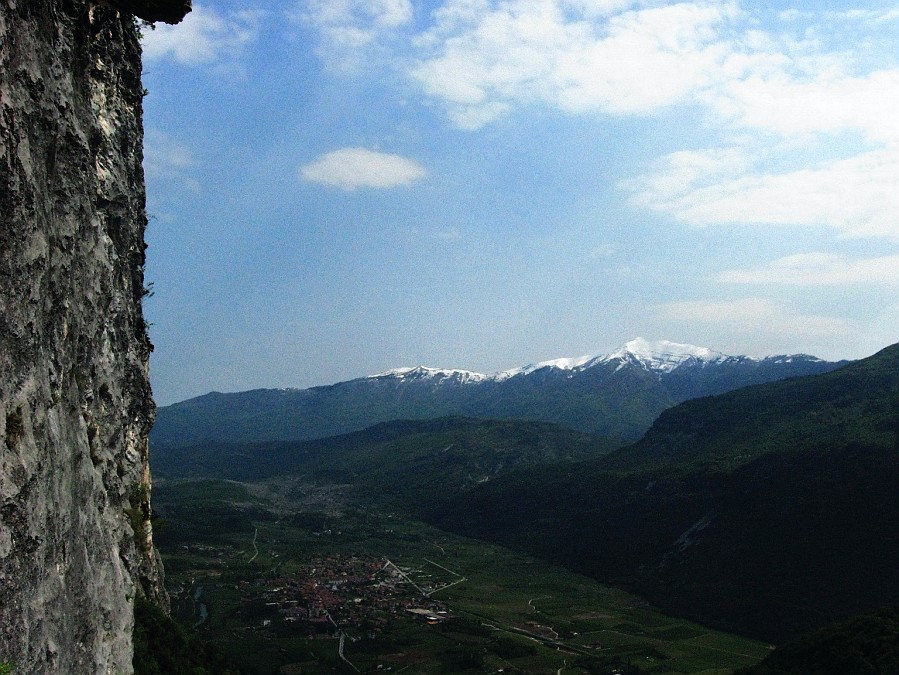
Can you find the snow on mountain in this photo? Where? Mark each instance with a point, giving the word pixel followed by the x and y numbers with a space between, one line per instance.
pixel 661 355
pixel 790 358
pixel 658 356
pixel 561 364
pixel 435 374
pixel 617 395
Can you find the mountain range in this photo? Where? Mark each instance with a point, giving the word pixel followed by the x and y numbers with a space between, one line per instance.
pixel 617 395
pixel 767 510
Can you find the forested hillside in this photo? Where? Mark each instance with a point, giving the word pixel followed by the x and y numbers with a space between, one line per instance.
pixel 769 510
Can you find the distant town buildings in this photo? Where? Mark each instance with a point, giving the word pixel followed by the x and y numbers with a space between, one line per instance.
pixel 334 593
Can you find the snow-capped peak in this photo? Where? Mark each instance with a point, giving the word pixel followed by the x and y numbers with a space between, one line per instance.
pixel 561 364
pixel 657 356
pixel 423 372
pixel 661 355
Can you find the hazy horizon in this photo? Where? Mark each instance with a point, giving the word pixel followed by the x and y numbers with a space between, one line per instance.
pixel 340 188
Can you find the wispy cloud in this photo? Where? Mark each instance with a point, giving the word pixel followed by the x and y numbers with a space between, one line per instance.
pixel 205 36
pixel 349 30
pixel 758 319
pixel 354 168
pixel 808 137
pixel 164 154
pixel 796 101
pixel 448 234
pixel 819 269
pixel 822 148
pixel 372 13
pixel 602 251
pixel 480 59
pixel 857 196
pixel 851 15
pixel 167 158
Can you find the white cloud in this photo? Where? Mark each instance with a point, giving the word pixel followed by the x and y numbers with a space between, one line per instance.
pixel 865 15
pixel 804 104
pixel 823 102
pixel 813 137
pixel 481 58
pixel 791 15
pixel 348 30
pixel 205 36
pixel 602 251
pixel 168 159
pixel 354 168
pixel 371 12
pixel 857 196
pixel 680 173
pixel 647 60
pixel 822 147
pixel 164 154
pixel 759 320
pixel 818 269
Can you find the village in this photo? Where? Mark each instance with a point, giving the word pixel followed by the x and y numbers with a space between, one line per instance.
pixel 335 593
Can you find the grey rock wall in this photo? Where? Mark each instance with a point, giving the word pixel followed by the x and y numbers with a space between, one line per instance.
pixel 75 401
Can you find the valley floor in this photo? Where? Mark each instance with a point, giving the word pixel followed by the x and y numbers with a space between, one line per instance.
pixel 287 579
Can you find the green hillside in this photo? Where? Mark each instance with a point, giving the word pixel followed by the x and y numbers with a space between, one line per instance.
pixel 770 510
pixel 614 399
pixel 415 464
pixel 857 404
pixel 863 644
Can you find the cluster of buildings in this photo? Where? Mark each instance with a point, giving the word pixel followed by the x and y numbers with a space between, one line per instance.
pixel 334 593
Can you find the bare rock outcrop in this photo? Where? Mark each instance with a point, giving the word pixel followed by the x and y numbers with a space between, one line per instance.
pixel 75 403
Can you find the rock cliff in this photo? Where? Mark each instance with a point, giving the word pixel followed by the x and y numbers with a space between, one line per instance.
pixel 75 403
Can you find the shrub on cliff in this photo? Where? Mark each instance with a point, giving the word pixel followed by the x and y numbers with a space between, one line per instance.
pixel 163 647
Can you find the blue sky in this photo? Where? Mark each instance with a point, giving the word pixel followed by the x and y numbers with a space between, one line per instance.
pixel 339 187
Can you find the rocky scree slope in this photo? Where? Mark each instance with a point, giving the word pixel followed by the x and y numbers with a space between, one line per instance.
pixel 75 403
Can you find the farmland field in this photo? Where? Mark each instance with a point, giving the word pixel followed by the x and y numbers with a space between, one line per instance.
pixel 280 575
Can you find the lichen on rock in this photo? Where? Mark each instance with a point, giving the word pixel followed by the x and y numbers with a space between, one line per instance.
pixel 75 401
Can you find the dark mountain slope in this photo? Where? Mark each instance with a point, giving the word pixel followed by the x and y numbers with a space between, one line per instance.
pixel 617 396
pixel 769 510
pixel 863 645
pixel 858 403
pixel 413 464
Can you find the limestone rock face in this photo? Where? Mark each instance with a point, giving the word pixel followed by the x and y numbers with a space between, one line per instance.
pixel 75 402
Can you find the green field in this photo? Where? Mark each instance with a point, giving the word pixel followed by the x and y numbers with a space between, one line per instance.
pixel 230 547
